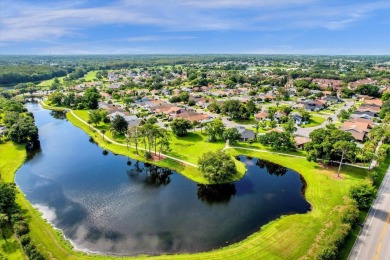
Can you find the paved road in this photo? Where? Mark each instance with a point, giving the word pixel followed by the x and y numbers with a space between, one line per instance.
pixel 374 239
pixel 307 131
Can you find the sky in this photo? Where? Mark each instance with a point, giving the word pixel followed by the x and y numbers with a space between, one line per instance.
pixel 333 27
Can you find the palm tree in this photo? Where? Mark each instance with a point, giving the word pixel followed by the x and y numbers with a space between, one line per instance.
pixel 103 132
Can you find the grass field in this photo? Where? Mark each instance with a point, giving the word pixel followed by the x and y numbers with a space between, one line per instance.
pixel 90 76
pixel 315 120
pixel 47 83
pixel 11 158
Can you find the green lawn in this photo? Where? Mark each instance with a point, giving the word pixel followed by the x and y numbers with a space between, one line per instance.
pixel 315 120
pixel 47 83
pixel 11 158
pixel 90 76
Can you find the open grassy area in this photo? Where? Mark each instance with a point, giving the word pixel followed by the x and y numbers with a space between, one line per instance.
pixel 90 76
pixel 47 83
pixel 315 120
pixel 11 158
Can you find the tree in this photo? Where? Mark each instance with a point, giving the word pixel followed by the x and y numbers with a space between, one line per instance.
pixel 217 166
pixel 134 135
pixel 305 115
pixel 273 123
pixel 323 141
pixel 180 126
pixel 232 135
pixel 289 127
pixel 368 89
pixel 164 141
pixel 91 98
pixel 347 150
pixel 215 130
pixel 119 125
pixel 94 116
pixel 89 123
pixel 103 132
pixel 24 130
pixel 251 107
pixel 7 198
pixel 330 119
pixel 343 115
pixel 278 140
pixel 3 222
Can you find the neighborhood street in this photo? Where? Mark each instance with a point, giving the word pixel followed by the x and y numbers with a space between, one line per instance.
pixel 306 131
pixel 373 241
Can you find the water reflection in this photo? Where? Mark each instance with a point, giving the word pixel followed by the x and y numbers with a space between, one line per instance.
pixel 216 193
pixel 149 174
pixel 58 114
pixel 272 168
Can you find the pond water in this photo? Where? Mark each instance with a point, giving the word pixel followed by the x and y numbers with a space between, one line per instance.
pixel 115 205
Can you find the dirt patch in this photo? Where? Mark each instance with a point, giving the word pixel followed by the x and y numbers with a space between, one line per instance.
pixel 156 158
pixel 334 176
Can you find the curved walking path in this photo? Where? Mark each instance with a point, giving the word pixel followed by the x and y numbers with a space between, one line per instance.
pixel 285 154
pixel 114 142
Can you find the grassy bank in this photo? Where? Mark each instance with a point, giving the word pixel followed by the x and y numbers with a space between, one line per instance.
pixel 11 158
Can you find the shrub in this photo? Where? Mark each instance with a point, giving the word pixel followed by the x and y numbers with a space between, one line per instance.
pixel 328 253
pixel 374 175
pixel 148 156
pixel 21 228
pixel 24 240
pixel 363 195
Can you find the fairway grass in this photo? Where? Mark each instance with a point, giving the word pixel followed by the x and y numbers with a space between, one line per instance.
pixel 289 237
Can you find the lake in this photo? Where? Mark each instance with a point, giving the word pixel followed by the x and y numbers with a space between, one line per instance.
pixel 115 205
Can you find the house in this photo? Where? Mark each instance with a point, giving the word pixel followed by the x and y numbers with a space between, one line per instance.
pixel 263 115
pixel 374 102
pixel 194 117
pixel 300 141
pixel 326 83
pixel 298 119
pixel 245 133
pixel 358 128
pixel 372 109
pixel 279 114
pixel 2 130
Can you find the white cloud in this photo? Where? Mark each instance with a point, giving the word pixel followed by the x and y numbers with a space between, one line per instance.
pixel 21 21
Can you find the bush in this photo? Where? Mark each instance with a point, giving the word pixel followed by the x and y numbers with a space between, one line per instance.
pixel 374 175
pixel 328 253
pixel 148 156
pixel 24 240
pixel 363 194
pixel 21 228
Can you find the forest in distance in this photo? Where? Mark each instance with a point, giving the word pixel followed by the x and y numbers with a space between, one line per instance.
pixel 23 69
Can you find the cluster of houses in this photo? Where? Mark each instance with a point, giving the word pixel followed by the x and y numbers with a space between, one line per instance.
pixel 361 121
